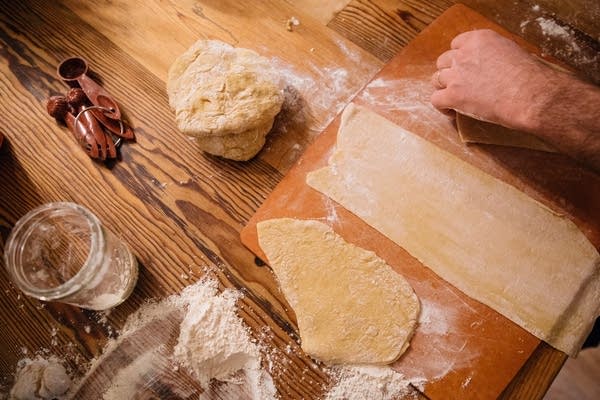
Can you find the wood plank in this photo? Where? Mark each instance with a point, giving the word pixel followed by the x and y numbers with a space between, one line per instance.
pixel 383 27
pixel 578 380
pixel 582 15
pixel 322 11
pixel 537 374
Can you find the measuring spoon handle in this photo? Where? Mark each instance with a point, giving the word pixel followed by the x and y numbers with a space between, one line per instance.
pixel 99 96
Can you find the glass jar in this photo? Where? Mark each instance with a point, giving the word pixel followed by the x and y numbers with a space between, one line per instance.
pixel 61 252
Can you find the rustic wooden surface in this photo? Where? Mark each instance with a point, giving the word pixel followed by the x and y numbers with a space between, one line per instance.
pixel 179 210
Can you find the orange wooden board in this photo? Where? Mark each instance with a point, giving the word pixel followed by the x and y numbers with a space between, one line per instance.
pixel 462 348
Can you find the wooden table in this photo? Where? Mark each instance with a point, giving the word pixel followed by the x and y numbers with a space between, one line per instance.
pixel 178 209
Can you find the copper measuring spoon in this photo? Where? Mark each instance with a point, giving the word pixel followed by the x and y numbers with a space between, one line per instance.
pixel 74 70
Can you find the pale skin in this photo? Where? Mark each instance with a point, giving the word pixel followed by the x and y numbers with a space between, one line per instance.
pixel 489 77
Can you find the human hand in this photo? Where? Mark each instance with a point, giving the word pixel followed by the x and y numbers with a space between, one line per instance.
pixel 489 77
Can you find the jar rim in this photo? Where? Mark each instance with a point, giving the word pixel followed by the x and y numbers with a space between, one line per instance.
pixel 18 237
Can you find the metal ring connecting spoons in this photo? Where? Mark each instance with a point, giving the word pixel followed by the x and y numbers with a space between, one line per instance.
pixel 74 69
pixel 117 142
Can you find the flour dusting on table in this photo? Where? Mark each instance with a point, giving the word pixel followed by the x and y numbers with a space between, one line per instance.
pixel 131 378
pixel 215 343
pixel 325 90
pixel 196 336
pixel 447 351
pixel 562 41
pixel 406 97
pixel 367 382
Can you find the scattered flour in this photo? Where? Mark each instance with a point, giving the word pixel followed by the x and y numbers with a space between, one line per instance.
pixel 196 334
pixel 565 34
pixel 40 378
pixel 207 340
pixel 563 42
pixel 214 343
pixel 445 351
pixel 466 382
pixel 125 383
pixel 549 27
pixel 367 383
pixel 327 89
pixel 332 215
pixel 408 99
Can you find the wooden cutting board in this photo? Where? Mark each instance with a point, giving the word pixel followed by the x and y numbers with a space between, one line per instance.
pixel 462 348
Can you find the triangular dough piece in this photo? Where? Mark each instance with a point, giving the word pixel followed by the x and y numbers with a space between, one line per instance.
pixel 350 305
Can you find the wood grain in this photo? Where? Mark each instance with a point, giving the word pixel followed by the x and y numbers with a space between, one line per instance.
pixel 180 211
pixel 162 193
pixel 383 27
pixel 537 374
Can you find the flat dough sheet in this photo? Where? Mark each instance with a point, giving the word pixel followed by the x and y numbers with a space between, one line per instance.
pixel 480 234
pixel 351 306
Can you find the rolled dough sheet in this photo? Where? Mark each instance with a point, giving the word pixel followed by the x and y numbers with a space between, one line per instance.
pixel 480 234
pixel 351 306
pixel 472 130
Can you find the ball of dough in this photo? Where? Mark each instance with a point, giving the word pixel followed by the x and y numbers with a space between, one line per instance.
pixel 226 97
pixel 240 146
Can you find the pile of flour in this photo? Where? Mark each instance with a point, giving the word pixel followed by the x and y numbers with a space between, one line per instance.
pixel 196 333
pixel 40 378
pixel 214 343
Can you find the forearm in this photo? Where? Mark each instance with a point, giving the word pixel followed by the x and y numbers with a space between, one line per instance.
pixel 568 118
pixel 491 78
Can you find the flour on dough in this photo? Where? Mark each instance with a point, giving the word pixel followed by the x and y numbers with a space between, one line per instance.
pixel 227 97
pixel 351 307
pixel 483 236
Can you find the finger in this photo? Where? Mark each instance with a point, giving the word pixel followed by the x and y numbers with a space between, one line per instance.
pixel 460 39
pixel 446 59
pixel 440 99
pixel 450 112
pixel 441 78
pixel 435 80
